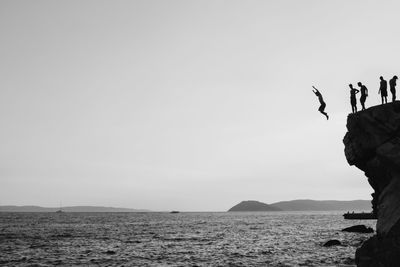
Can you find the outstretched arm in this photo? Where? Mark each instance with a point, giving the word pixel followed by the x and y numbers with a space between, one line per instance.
pixel 315 88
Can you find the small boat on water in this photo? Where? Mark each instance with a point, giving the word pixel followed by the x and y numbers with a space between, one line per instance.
pixel 174 211
pixel 359 216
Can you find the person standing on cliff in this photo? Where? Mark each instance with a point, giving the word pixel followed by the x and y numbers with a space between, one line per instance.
pixel 321 101
pixel 353 99
pixel 364 94
pixel 383 90
pixel 392 84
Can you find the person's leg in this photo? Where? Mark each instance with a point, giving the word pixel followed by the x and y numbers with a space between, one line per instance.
pixel 322 108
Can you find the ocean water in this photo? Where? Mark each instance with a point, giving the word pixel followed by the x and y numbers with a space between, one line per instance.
pixel 183 239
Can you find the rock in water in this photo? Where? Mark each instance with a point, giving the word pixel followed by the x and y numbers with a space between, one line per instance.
pixel 358 229
pixel 333 242
pixel 372 144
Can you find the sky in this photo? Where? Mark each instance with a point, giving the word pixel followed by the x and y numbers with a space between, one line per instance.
pixel 185 105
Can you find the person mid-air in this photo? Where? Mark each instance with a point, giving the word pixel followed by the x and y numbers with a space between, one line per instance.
pixel 383 90
pixel 321 101
pixel 353 99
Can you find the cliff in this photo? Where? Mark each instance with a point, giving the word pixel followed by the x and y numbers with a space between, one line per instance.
pixel 372 144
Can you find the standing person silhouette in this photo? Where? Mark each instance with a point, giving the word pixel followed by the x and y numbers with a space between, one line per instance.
pixel 392 84
pixel 383 90
pixel 321 101
pixel 353 99
pixel 364 94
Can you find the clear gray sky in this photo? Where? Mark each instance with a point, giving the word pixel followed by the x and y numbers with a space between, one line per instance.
pixel 185 105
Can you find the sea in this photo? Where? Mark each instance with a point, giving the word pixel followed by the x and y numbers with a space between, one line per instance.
pixel 181 239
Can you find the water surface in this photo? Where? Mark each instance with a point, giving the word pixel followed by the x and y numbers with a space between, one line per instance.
pixel 183 239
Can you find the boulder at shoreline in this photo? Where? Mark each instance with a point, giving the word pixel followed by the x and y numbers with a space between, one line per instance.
pixel 358 229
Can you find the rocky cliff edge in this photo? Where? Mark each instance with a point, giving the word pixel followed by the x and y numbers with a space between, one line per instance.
pixel 372 144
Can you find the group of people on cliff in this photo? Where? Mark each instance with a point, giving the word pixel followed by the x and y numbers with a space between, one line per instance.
pixel 364 92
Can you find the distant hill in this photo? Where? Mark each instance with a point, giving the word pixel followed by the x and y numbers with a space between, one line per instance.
pixel 66 209
pixel 305 205
pixel 252 205
pixel 323 205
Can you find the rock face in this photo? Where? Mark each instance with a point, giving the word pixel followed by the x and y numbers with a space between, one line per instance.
pixel 372 144
pixel 252 205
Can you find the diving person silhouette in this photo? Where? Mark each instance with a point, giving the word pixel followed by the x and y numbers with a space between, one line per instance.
pixel 321 101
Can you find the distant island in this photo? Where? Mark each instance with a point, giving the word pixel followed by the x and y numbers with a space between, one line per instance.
pixel 304 205
pixel 67 209
pixel 252 205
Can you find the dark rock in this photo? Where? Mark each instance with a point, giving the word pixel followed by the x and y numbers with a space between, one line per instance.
pixel 333 242
pixel 358 229
pixel 110 252
pixel 379 251
pixel 372 144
